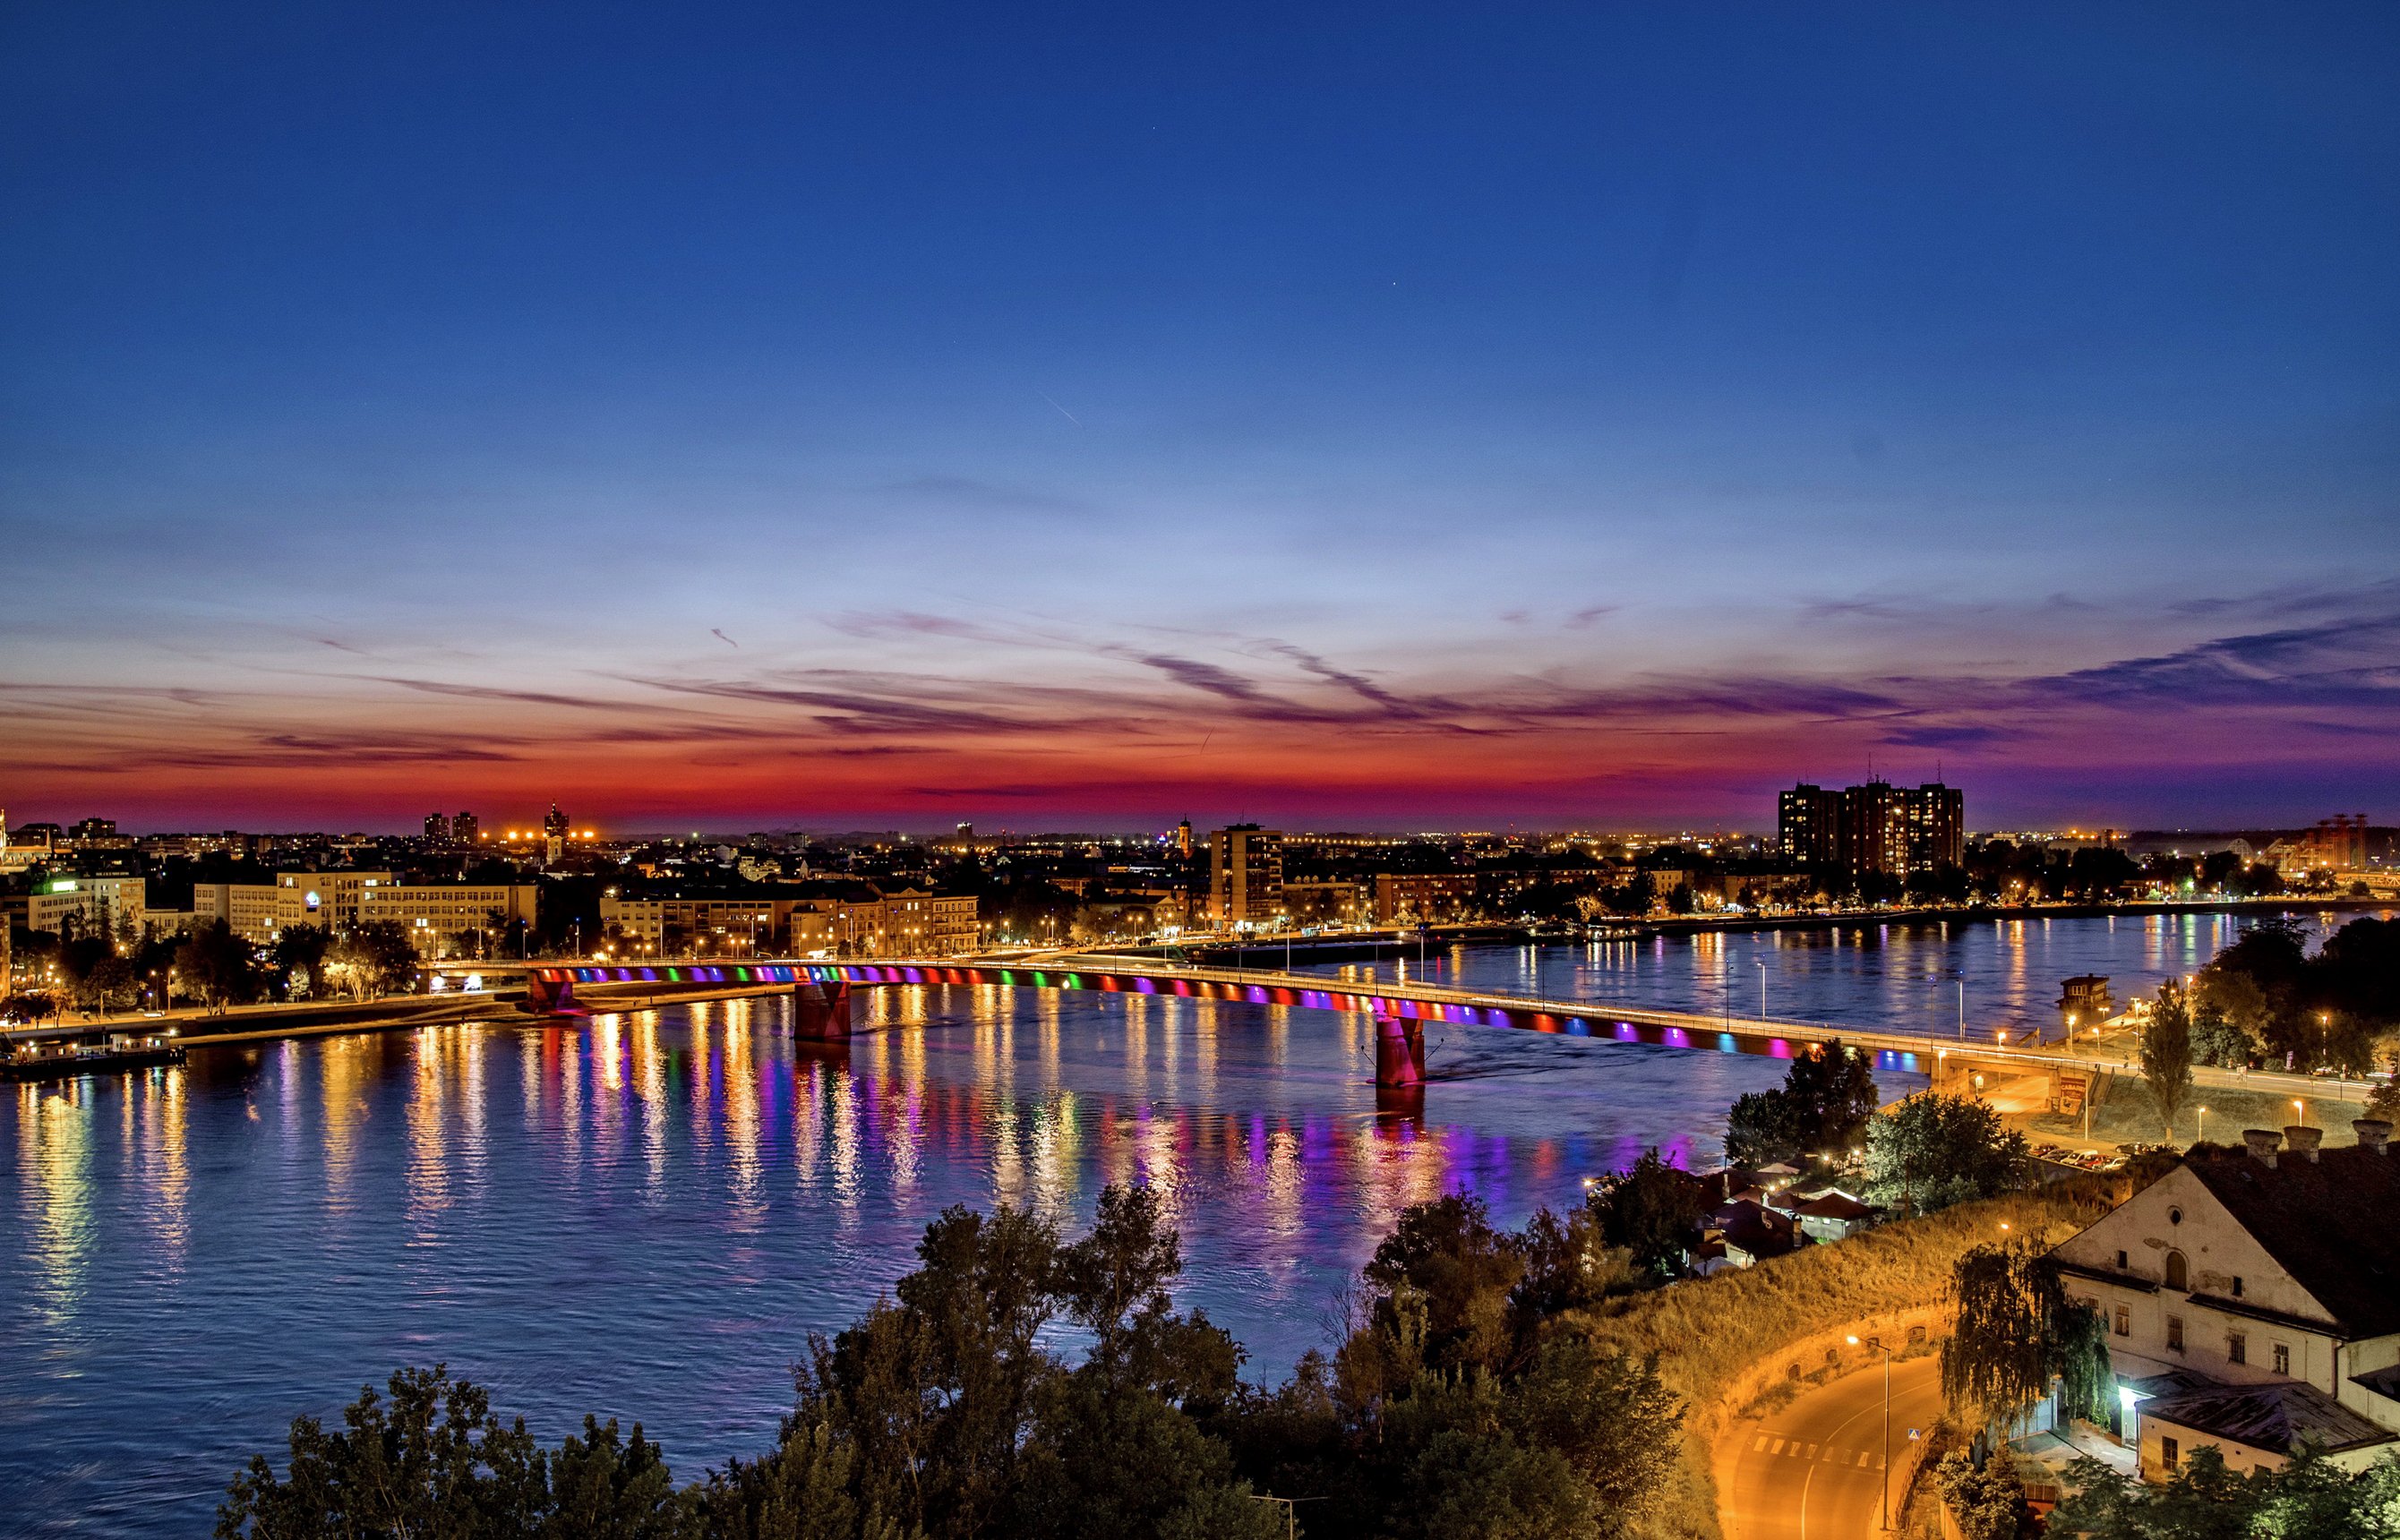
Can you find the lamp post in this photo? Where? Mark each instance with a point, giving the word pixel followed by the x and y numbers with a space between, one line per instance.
pixel 1761 994
pixel 1962 1010
pixel 1883 1477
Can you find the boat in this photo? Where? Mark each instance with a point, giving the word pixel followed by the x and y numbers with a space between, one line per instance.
pixel 89 1058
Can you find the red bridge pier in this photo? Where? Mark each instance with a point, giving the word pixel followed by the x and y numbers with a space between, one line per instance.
pixel 821 1012
pixel 1400 1051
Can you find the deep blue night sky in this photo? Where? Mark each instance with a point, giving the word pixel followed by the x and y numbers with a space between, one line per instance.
pixel 1380 417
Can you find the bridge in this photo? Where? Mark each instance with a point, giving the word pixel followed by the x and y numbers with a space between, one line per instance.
pixel 822 992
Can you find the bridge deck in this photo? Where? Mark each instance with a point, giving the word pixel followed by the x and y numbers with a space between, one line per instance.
pixel 1604 1020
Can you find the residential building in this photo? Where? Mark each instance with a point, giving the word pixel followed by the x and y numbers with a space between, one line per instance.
pixel 1323 902
pixel 2253 1301
pixel 437 828
pixel 1877 829
pixel 1245 876
pixel 1424 898
pixel 1809 824
pixel 465 827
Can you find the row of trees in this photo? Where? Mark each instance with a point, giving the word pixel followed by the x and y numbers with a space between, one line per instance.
pixel 2266 999
pixel 1460 1403
pixel 214 967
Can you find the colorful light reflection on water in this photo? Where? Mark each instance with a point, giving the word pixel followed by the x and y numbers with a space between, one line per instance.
pixel 646 1217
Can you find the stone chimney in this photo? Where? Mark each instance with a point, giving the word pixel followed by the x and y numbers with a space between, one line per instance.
pixel 2374 1133
pixel 2303 1140
pixel 2262 1143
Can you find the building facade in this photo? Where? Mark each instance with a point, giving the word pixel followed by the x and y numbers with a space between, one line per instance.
pixel 2251 1303
pixel 1873 830
pixel 436 916
pixel 1245 876
pixel 1424 898
pixel 94 906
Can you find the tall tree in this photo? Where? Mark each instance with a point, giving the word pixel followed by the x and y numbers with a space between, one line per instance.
pixel 1823 1105
pixel 1933 1151
pixel 1650 1209
pixel 2166 1054
pixel 2016 1332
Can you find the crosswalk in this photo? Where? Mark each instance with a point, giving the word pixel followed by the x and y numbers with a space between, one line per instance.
pixel 1793 1449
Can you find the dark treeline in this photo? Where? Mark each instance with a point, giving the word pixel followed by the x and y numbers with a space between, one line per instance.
pixel 1462 1402
pixel 2266 999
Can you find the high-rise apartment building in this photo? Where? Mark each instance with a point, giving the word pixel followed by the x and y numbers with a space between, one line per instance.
pixel 1877 829
pixel 466 828
pixel 437 828
pixel 1245 876
pixel 1809 824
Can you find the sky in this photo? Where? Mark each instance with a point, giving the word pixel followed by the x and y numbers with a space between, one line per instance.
pixel 1087 416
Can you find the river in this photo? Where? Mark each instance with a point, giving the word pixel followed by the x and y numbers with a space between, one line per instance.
pixel 646 1217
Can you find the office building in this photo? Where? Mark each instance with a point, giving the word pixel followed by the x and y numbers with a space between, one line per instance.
pixel 1245 876
pixel 91 906
pixel 437 915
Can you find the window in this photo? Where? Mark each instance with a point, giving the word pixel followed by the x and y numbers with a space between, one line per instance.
pixel 2124 1322
pixel 2282 1358
pixel 2121 1262
pixel 2167 1452
pixel 2237 1348
pixel 2237 1285
pixel 2174 1334
pixel 2178 1272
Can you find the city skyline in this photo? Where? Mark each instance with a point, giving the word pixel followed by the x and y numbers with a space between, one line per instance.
pixel 1369 420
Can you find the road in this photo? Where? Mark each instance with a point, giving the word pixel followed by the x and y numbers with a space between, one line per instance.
pixel 1812 1471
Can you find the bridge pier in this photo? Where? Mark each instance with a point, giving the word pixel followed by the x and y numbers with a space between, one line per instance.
pixel 550 996
pixel 821 1012
pixel 1400 1051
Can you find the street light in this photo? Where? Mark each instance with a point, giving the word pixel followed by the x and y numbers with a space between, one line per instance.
pixel 1762 993
pixel 1883 1477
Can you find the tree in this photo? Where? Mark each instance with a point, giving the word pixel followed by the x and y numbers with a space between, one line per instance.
pixel 436 1461
pixel 2166 1054
pixel 2016 1333
pixel 371 959
pixel 942 1413
pixel 2216 1039
pixel 1825 1100
pixel 1933 1151
pixel 1650 1210
pixel 2203 1500
pixel 299 956
pixel 215 965
pixel 1987 1501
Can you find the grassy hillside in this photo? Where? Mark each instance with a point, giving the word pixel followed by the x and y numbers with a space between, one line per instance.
pixel 1707 1331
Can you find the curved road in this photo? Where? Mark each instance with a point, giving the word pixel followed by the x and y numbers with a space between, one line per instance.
pixel 1813 1470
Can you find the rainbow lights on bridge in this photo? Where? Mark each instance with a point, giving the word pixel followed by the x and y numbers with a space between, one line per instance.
pixel 1601 1022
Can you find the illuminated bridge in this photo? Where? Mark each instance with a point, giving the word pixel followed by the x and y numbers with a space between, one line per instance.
pixel 823 991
